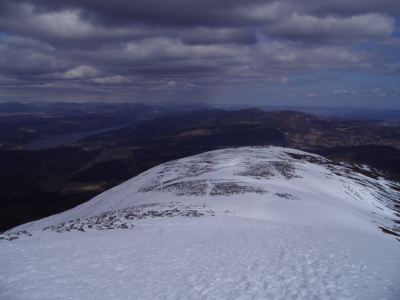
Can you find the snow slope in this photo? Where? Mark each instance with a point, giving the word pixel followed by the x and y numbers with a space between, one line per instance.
pixel 243 223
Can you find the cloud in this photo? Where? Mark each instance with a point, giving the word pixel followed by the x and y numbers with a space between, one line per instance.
pixel 348 8
pixel 333 29
pixel 83 71
pixel 114 79
pixel 121 47
pixel 25 56
pixel 58 26
pixel 342 92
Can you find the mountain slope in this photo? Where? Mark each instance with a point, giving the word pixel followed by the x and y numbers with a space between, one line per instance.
pixel 258 222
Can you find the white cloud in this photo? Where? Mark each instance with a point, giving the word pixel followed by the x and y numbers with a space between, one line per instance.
pixel 82 71
pixel 114 79
pixel 167 47
pixel 62 24
pixel 343 92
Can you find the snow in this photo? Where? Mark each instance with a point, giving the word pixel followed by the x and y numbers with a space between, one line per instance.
pixel 244 223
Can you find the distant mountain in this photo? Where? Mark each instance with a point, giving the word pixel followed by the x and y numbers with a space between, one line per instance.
pixel 249 222
pixel 343 112
pixel 68 108
pixel 206 129
pixel 13 107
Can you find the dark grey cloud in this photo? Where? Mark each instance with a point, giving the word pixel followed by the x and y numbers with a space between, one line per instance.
pixel 125 48
pixel 24 56
pixel 349 8
pixel 333 29
pixel 220 21
pixel 209 12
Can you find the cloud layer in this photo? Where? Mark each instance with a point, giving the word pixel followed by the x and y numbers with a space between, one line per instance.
pixel 158 50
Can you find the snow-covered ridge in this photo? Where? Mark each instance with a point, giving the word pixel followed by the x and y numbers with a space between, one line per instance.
pixel 243 223
pixel 253 182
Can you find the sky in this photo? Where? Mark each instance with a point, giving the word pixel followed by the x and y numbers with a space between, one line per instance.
pixel 343 53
